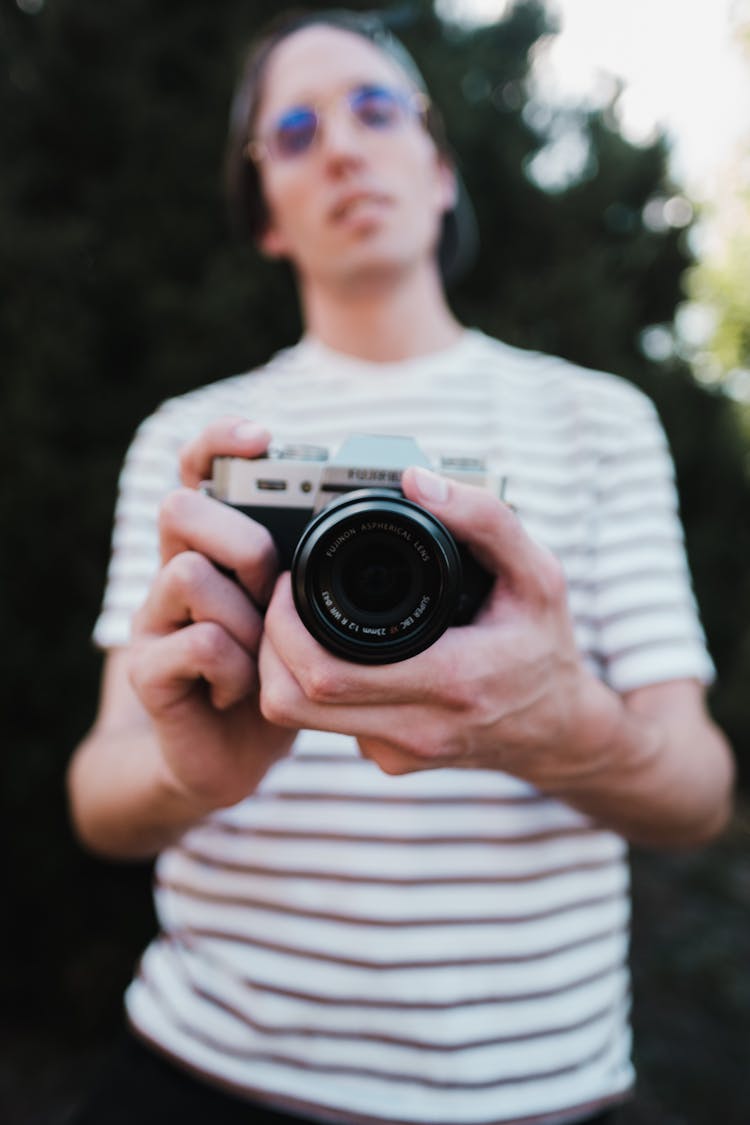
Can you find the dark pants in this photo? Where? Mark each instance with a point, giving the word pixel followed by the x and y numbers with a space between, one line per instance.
pixel 139 1087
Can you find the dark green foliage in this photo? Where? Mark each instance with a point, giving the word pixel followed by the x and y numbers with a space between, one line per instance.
pixel 691 984
pixel 120 286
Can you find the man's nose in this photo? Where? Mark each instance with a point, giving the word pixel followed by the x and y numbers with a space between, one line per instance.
pixel 340 135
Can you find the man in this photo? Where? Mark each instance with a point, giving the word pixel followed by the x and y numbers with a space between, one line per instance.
pixel 415 910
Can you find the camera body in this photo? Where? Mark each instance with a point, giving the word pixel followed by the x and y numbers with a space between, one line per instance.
pixel 376 578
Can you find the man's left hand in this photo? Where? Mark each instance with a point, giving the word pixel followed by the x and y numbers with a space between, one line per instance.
pixel 507 692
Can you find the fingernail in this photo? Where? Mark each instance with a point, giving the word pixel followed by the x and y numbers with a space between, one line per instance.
pixel 432 486
pixel 250 431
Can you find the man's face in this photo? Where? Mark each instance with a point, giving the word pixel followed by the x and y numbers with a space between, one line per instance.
pixel 359 203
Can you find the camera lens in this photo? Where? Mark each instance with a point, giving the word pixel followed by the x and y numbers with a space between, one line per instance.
pixel 376 578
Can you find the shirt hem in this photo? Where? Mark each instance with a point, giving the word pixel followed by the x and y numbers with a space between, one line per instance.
pixel 331 1116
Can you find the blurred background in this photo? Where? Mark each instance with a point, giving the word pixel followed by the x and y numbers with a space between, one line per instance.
pixel 608 237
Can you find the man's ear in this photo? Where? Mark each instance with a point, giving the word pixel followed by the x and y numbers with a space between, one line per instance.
pixel 447 184
pixel 271 242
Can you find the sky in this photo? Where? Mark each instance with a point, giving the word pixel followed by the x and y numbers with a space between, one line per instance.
pixel 682 68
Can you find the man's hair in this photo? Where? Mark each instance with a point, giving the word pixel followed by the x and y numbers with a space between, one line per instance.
pixel 248 213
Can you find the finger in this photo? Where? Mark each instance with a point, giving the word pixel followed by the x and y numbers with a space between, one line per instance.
pixel 190 589
pixel 226 437
pixel 487 525
pixel 328 679
pixel 391 760
pixel 284 703
pixel 410 728
pixel 190 521
pixel 167 670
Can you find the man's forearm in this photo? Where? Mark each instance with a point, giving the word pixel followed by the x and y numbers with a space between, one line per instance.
pixel 123 803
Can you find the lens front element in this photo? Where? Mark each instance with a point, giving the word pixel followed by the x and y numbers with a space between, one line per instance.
pixel 375 577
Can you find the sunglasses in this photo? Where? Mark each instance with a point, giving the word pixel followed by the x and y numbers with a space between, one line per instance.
pixel 378 108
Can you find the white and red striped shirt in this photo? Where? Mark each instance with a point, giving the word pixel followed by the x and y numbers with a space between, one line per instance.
pixel 448 946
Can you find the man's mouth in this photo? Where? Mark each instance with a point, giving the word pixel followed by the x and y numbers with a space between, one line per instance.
pixel 359 203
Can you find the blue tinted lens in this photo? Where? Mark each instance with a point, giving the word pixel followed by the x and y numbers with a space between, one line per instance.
pixel 295 131
pixel 377 107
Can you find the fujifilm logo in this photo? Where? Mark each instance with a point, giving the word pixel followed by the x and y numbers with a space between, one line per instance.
pixel 393 476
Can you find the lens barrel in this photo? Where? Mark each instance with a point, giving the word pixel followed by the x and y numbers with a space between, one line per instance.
pixel 376 578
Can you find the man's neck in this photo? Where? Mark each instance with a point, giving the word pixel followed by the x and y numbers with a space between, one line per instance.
pixel 382 320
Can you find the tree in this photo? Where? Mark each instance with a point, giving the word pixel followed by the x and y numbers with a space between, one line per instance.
pixel 720 282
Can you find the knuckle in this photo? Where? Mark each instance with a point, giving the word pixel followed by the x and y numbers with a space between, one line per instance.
pixel 322 684
pixel 459 695
pixel 439 740
pixel 423 750
pixel 188 571
pixel 208 643
pixel 174 508
pixel 142 672
pixel 415 745
pixel 275 702
pixel 186 461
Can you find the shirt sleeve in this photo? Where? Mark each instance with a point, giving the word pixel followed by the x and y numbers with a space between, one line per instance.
pixel 647 624
pixel 149 472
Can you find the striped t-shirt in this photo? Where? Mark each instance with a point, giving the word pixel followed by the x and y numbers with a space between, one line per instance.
pixel 447 946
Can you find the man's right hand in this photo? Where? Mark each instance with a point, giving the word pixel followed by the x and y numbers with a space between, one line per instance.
pixel 193 658
pixel 179 732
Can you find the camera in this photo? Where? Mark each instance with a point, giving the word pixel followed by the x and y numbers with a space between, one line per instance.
pixel 376 578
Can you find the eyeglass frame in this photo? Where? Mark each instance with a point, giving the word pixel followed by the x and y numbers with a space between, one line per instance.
pixel 417 102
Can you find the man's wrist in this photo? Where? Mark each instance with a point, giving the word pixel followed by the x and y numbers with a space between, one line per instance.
pixel 604 743
pixel 178 799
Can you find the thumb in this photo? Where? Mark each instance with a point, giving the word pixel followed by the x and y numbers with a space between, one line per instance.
pixel 477 517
